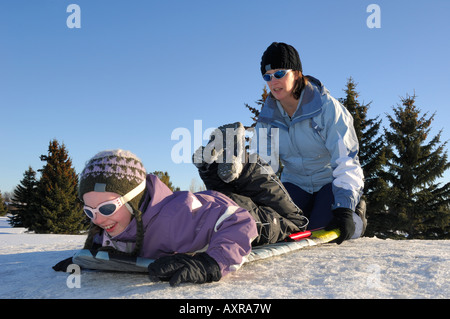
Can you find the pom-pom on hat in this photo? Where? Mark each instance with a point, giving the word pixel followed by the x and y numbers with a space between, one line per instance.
pixel 115 171
pixel 280 56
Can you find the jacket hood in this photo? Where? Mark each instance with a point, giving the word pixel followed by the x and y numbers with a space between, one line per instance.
pixel 156 196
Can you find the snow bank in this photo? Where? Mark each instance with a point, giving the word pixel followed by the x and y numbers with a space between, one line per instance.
pixel 362 268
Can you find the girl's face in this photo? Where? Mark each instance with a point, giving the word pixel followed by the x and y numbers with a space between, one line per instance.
pixel 282 89
pixel 113 224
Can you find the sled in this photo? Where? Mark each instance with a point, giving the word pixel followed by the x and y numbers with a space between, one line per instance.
pixel 105 261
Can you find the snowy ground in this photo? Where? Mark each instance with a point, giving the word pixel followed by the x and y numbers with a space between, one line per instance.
pixel 363 268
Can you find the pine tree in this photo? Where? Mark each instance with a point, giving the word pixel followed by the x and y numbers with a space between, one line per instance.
pixel 256 110
pixel 372 156
pixel 418 206
pixel 59 209
pixel 3 208
pixel 165 178
pixel 24 201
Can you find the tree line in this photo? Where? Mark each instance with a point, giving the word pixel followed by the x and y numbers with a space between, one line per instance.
pixel 402 164
pixel 50 204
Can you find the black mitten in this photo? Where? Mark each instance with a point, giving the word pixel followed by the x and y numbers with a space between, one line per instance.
pixel 343 220
pixel 179 268
pixel 63 264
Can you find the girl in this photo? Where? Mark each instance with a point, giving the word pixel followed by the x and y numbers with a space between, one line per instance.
pixel 317 144
pixel 194 238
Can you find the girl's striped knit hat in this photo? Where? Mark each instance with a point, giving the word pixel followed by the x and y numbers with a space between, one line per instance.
pixel 115 171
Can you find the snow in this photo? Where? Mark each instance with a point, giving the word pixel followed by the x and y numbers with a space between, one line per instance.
pixel 362 268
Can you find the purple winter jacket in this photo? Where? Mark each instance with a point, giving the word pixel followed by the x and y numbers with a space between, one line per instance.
pixel 183 222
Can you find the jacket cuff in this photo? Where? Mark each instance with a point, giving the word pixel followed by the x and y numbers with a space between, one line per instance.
pixel 344 198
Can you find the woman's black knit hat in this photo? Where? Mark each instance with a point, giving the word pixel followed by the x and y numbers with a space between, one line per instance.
pixel 280 56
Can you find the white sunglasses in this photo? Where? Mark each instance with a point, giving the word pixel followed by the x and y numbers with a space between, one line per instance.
pixel 110 207
pixel 277 75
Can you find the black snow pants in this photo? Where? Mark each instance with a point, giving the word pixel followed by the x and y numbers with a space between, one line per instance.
pixel 259 191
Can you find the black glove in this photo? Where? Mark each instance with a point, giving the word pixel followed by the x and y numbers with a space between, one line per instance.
pixel 63 264
pixel 343 220
pixel 179 268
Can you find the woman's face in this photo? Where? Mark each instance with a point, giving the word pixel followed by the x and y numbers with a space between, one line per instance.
pixel 282 89
pixel 114 224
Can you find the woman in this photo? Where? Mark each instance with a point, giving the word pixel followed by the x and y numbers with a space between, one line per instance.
pixel 317 144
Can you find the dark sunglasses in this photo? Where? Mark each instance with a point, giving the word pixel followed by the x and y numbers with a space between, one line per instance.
pixel 277 75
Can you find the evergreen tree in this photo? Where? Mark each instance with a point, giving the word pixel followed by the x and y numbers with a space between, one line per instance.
pixel 256 110
pixel 59 209
pixel 372 156
pixel 3 208
pixel 417 204
pixel 24 201
pixel 165 178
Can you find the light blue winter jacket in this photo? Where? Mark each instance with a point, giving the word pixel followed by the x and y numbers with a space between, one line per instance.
pixel 317 146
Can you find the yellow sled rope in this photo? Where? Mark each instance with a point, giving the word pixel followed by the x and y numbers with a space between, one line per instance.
pixel 326 235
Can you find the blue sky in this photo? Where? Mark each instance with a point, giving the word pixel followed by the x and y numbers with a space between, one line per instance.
pixel 137 70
